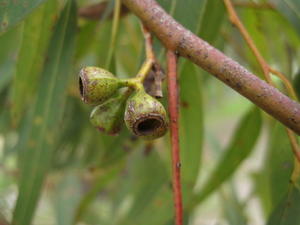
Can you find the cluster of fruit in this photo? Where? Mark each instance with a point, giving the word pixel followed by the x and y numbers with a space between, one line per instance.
pixel 144 115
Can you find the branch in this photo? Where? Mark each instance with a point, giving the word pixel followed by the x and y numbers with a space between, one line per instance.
pixel 175 37
pixel 265 67
pixel 173 111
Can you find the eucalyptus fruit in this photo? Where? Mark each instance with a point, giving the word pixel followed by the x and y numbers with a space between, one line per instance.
pixel 145 116
pixel 97 85
pixel 108 117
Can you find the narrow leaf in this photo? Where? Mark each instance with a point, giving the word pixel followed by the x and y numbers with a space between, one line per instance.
pixel 287 212
pixel 195 10
pixel 100 183
pixel 291 10
pixel 10 45
pixel 65 197
pixel 283 179
pixel 232 206
pixel 36 34
pixel 279 166
pixel 145 181
pixel 35 155
pixel 191 124
pixel 12 12
pixel 211 21
pixel 240 147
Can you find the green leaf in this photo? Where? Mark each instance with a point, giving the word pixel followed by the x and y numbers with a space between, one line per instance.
pixel 259 23
pixel 232 207
pixel 146 179
pixel 101 181
pixel 68 147
pixel 194 10
pixel 159 209
pixel 12 12
pixel 36 35
pixel 283 56
pixel 65 196
pixel 254 25
pixel 262 190
pixel 240 147
pixel 279 166
pixel 287 212
pixel 211 22
pixel 10 45
pixel 291 10
pixel 86 38
pixel 191 125
pixel 35 155
pixel 120 145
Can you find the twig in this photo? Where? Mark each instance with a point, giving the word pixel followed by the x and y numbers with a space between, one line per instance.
pixel 294 144
pixel 149 54
pixel 173 111
pixel 285 81
pixel 265 67
pixel 138 81
pixel 153 80
pixel 175 37
pixel 148 43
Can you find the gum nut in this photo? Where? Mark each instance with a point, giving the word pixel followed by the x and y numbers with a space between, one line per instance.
pixel 145 116
pixel 108 117
pixel 97 85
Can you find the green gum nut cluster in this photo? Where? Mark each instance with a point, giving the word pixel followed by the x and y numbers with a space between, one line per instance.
pixel 144 115
pixel 97 85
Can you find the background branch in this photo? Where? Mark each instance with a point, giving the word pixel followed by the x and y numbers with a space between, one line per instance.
pixel 175 37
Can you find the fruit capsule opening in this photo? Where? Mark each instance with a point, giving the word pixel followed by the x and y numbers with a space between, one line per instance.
pixel 81 88
pixel 149 125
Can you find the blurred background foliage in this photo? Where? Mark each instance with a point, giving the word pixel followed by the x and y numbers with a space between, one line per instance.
pixel 55 168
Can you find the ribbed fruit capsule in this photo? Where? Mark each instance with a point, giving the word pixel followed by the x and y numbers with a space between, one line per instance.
pixel 108 117
pixel 97 85
pixel 145 116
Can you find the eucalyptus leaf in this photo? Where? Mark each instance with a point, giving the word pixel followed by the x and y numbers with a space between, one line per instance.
pixel 291 10
pixel 239 148
pixel 287 212
pixel 191 125
pixel 47 111
pixel 10 46
pixel 36 35
pixel 280 164
pixel 12 12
